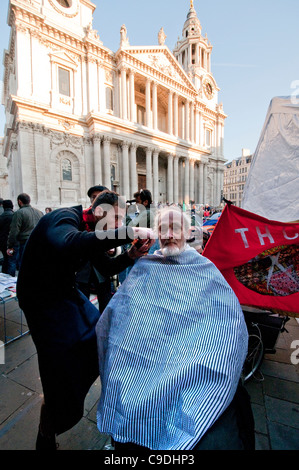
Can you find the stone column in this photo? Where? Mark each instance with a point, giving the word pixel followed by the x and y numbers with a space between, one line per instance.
pixel 170 178
pixel 170 113
pixel 196 130
pixel 187 124
pixel 149 169
pixel 205 172
pixel 186 182
pixel 175 179
pixel 181 181
pixel 39 174
pixel 133 170
pixel 107 168
pixel 148 103
pixel 97 159
pixel 192 122
pixel 201 184
pixel 155 106
pixel 191 176
pixel 125 172
pixel 200 130
pixel 124 109
pixel 132 96
pixel 156 176
pixel 196 182
pixel 197 52
pixel 183 113
pixel 176 115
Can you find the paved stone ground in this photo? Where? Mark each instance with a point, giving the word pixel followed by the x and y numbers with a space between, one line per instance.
pixel 274 394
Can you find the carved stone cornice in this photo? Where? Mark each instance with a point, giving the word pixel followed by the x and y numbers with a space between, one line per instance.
pixel 30 22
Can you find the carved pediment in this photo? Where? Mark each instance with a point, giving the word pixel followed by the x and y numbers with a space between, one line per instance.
pixel 161 59
pixel 62 58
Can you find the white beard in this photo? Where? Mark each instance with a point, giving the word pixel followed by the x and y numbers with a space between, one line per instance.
pixel 172 250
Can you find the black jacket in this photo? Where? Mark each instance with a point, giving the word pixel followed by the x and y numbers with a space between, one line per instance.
pixel 61 319
pixel 5 221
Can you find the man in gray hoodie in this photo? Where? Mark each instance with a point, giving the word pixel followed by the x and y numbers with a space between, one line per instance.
pixel 23 222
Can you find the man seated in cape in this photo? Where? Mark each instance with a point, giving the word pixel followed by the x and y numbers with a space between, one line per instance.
pixel 171 344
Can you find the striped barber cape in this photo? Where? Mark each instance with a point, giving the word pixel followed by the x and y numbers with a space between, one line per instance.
pixel 171 342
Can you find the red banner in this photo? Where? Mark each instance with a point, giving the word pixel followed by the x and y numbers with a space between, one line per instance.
pixel 259 258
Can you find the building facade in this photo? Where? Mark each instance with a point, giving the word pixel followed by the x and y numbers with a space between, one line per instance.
pixel 235 176
pixel 78 114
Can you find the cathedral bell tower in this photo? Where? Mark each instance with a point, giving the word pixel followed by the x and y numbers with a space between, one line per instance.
pixel 193 52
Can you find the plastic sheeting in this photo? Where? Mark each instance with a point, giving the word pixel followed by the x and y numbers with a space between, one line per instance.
pixel 272 187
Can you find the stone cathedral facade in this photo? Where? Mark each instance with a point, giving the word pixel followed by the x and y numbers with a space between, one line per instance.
pixel 78 114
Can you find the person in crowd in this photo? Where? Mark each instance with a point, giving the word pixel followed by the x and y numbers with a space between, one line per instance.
pixel 1 206
pixel 86 277
pixel 9 262
pixel 60 318
pixel 144 201
pixel 207 211
pixel 145 218
pixel 23 222
pixel 109 212
pixel 88 216
pixel 48 209
pixel 172 342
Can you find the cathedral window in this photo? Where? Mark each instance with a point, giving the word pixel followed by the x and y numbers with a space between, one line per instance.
pixel 66 166
pixel 109 98
pixel 141 115
pixel 64 81
pixel 208 138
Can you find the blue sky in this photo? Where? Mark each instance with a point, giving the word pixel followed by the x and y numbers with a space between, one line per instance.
pixel 255 51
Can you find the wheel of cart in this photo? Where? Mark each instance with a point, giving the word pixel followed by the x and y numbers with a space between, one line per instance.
pixel 263 331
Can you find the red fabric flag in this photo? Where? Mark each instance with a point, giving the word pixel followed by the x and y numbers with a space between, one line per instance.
pixel 259 258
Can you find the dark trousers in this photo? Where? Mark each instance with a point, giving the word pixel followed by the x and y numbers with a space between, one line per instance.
pixel 9 264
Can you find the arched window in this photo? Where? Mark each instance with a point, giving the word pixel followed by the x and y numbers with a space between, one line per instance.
pixel 66 166
pixel 65 3
pixel 109 98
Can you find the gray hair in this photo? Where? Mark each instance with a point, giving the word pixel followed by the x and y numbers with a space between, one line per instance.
pixel 186 220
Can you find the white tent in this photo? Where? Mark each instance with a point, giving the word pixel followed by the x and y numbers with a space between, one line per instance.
pixel 272 187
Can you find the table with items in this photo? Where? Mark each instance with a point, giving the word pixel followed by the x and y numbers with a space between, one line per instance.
pixel 7 295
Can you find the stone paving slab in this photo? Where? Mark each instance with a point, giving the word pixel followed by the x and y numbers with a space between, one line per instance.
pixel 282 389
pixel 19 431
pixel 283 437
pixel 282 411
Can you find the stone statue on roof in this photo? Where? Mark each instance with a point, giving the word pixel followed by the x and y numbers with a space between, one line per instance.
pixel 124 40
pixel 161 37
